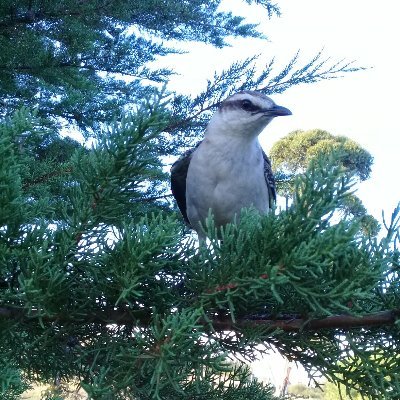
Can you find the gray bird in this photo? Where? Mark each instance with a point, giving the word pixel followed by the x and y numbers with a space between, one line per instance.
pixel 227 170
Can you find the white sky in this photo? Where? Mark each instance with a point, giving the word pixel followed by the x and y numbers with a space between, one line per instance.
pixel 362 105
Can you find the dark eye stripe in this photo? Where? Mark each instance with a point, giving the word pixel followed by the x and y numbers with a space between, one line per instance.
pixel 238 104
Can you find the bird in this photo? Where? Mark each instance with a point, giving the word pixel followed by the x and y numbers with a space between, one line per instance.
pixel 228 170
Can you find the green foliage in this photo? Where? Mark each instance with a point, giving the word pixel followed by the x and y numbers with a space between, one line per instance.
pixel 303 262
pixel 72 54
pixel 334 392
pixel 305 392
pixel 99 282
pixel 296 249
pixel 291 155
pixel 12 384
pixel 327 391
pixel 127 305
pixel 84 63
pixel 88 256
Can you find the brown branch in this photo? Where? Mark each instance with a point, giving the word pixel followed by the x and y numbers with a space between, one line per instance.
pixel 153 198
pixel 100 317
pixel 345 322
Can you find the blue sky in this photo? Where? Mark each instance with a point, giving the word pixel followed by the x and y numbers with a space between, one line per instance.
pixel 361 105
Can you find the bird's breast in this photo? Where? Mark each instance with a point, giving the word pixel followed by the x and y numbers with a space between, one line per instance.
pixel 225 180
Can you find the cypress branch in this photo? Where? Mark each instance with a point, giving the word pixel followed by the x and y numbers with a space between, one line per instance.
pixel 289 324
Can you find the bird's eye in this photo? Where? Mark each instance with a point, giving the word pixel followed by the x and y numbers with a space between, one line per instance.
pixel 247 105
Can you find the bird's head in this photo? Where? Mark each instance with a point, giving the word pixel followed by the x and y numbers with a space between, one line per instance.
pixel 246 113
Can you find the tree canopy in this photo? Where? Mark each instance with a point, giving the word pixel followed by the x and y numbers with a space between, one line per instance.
pixel 291 155
pixel 87 62
pixel 100 283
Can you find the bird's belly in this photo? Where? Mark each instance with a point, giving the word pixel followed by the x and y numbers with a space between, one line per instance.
pixel 230 197
pixel 225 192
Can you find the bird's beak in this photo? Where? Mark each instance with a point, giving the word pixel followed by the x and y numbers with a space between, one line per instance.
pixel 277 111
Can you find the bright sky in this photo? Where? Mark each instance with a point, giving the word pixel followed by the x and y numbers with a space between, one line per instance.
pixel 362 105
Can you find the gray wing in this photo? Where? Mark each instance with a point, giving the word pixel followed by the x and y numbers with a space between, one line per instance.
pixel 269 178
pixel 179 172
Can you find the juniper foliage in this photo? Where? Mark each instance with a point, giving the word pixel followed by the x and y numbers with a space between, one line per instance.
pixel 132 308
pixel 100 282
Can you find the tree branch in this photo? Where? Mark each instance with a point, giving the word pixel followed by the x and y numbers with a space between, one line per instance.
pixel 345 322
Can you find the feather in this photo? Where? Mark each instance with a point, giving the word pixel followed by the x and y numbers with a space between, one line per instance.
pixel 179 172
pixel 269 178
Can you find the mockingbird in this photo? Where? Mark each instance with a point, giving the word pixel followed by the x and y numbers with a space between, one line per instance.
pixel 227 170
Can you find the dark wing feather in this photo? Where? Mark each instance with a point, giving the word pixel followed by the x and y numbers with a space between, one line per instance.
pixel 179 172
pixel 269 178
